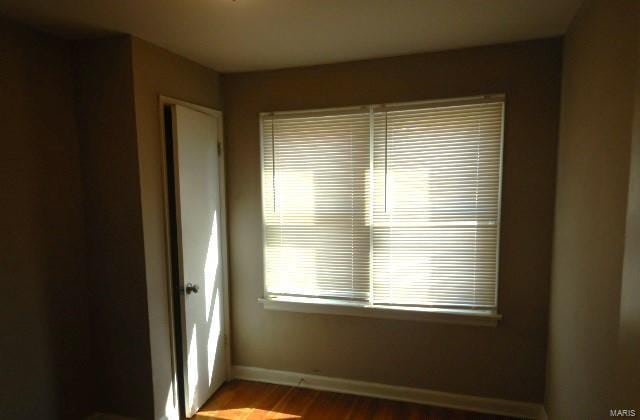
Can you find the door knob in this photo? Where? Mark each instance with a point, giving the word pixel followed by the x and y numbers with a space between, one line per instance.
pixel 191 288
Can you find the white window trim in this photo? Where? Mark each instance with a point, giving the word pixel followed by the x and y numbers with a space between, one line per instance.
pixel 473 317
pixel 487 318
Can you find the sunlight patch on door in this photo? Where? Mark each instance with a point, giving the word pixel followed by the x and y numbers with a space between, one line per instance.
pixel 214 336
pixel 171 406
pixel 211 265
pixel 192 364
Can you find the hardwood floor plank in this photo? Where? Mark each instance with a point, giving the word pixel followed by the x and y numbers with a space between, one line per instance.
pixel 264 407
pixel 296 402
pixel 364 408
pixel 330 405
pixel 240 401
pixel 246 400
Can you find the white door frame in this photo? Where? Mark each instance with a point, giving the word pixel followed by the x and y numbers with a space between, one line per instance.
pixel 164 101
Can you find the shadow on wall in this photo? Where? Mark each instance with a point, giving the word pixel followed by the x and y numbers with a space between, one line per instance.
pixel 45 361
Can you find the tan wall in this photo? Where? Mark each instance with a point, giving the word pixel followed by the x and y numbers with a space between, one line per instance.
pixel 504 362
pixel 158 72
pixel 120 331
pixel 44 323
pixel 593 172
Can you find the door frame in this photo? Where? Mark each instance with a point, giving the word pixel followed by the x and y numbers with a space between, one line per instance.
pixel 171 292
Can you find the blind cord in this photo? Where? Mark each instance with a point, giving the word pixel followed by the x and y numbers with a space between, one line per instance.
pixel 386 137
pixel 273 160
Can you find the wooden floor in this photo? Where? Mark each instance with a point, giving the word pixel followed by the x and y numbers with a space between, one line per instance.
pixel 255 400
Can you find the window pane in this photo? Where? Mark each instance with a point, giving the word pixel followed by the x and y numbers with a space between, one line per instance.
pixel 315 188
pixel 436 205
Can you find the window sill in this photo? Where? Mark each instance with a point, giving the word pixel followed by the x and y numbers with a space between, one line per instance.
pixel 336 307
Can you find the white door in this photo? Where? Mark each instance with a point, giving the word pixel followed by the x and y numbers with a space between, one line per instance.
pixel 197 193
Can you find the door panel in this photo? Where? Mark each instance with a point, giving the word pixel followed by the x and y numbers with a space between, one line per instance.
pixel 197 195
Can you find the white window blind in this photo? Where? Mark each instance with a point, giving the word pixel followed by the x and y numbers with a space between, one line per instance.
pixel 436 205
pixel 390 205
pixel 315 188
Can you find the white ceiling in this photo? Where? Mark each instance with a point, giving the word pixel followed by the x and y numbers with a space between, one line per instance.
pixel 241 35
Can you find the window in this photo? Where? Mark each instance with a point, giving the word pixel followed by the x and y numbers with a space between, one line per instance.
pixel 384 207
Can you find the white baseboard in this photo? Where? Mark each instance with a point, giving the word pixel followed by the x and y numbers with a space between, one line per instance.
pixel 392 392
